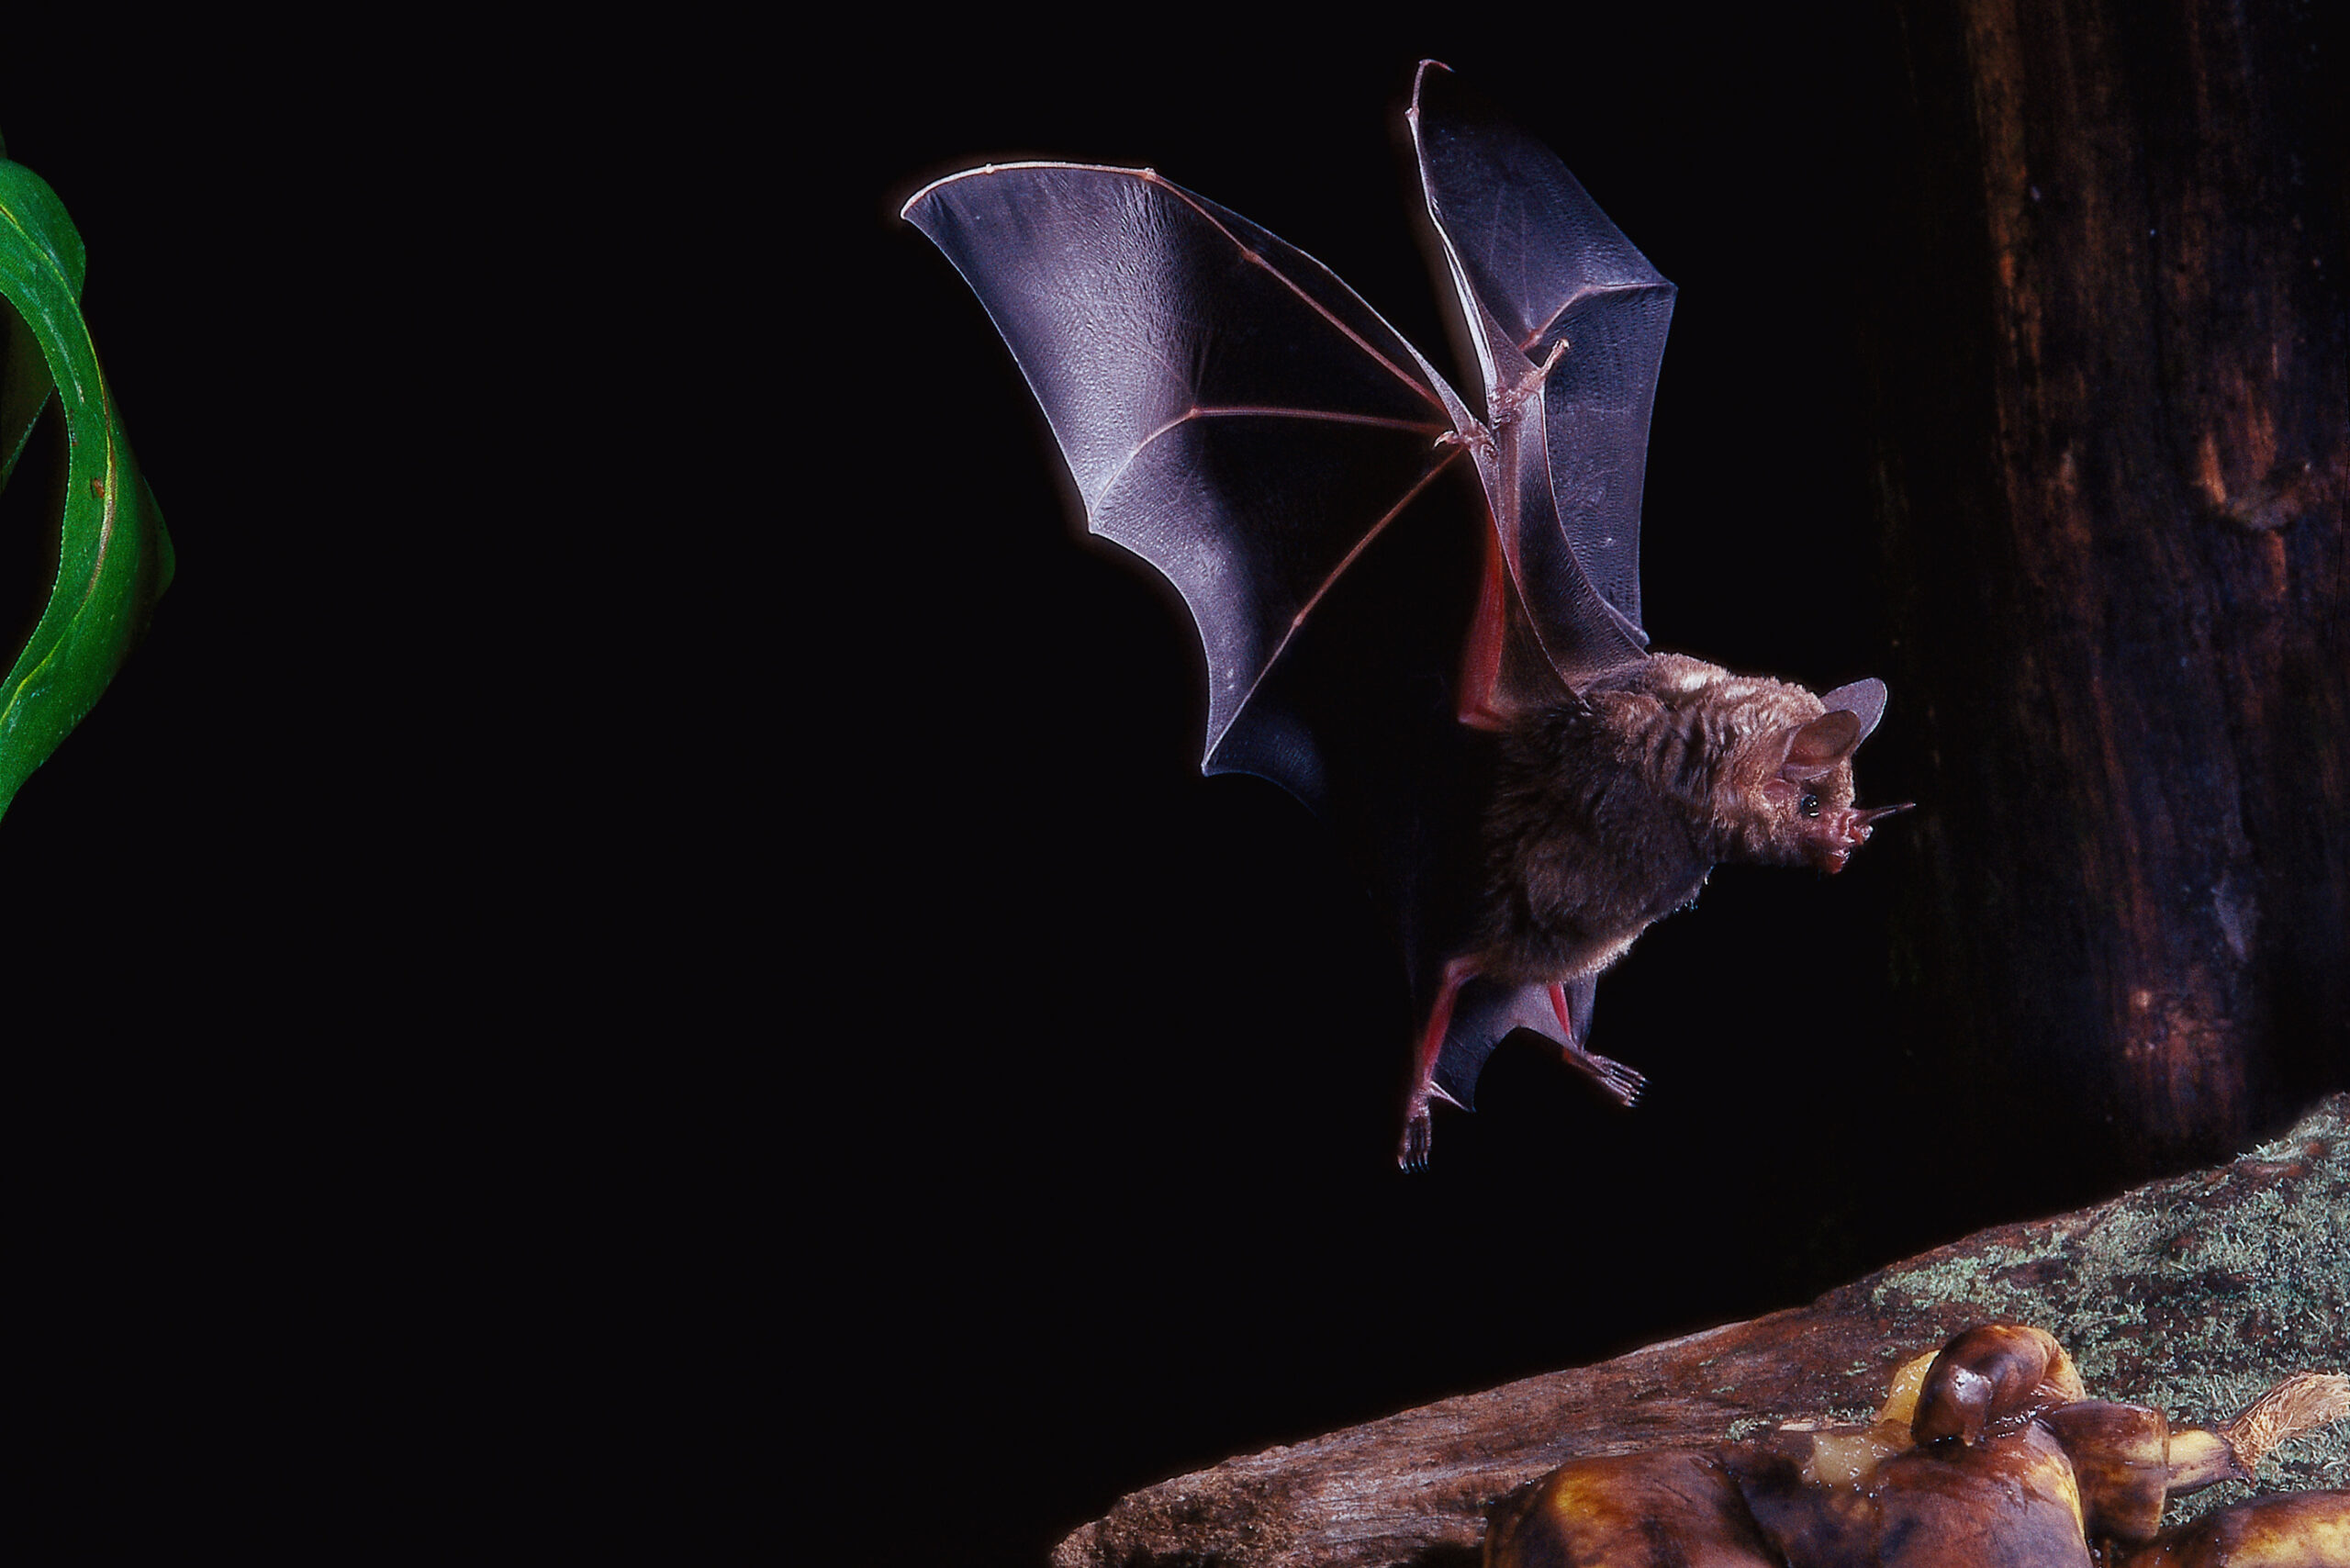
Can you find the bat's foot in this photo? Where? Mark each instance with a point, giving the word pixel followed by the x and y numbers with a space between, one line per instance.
pixel 1622 1083
pixel 1412 1154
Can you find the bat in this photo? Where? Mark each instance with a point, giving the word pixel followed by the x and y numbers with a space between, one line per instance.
pixel 1420 618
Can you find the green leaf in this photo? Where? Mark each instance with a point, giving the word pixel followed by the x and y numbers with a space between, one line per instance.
pixel 114 560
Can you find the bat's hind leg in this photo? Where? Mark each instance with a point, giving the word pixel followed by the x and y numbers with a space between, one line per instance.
pixel 1622 1083
pixel 1412 1153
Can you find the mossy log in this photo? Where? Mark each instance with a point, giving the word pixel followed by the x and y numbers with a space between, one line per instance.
pixel 2192 1294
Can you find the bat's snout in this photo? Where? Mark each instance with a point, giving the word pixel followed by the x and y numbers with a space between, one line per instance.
pixel 1846 832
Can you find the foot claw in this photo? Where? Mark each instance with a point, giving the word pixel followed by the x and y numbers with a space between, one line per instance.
pixel 1413 1155
pixel 1622 1083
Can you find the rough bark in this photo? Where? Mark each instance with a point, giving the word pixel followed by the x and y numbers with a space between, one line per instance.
pixel 2194 1293
pixel 2112 449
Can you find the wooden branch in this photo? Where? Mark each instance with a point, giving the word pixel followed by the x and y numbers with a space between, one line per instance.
pixel 2193 1293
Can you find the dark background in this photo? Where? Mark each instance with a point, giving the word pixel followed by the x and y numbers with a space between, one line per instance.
pixel 397 1102
pixel 647 905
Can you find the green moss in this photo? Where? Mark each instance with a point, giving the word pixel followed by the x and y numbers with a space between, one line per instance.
pixel 2195 1294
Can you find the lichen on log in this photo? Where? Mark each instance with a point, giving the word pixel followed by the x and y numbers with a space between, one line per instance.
pixel 2193 1295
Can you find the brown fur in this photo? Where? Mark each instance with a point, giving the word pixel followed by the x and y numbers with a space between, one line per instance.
pixel 1609 811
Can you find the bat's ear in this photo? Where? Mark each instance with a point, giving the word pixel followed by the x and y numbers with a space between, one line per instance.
pixel 1818 747
pixel 1864 699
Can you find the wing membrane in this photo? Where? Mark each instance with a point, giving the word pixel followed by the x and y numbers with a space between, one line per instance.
pixel 1230 410
pixel 1535 263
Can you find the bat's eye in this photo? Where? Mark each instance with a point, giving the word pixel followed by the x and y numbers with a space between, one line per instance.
pixel 1809 805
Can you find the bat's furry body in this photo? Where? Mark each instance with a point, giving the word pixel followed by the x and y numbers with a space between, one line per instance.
pixel 1609 811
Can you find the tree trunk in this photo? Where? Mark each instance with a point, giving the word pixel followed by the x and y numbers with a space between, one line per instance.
pixel 2112 446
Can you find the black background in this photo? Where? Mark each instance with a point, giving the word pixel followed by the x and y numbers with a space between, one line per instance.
pixel 396 1088
pixel 647 907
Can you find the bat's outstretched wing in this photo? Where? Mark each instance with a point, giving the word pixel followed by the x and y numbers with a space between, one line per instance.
pixel 1540 271
pixel 1230 410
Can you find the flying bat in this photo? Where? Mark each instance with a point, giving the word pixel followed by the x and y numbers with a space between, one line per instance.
pixel 1421 618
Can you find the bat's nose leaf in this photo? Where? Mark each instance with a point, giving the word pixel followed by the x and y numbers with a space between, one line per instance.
pixel 113 559
pixel 1865 698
